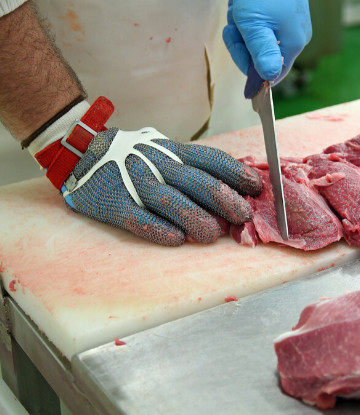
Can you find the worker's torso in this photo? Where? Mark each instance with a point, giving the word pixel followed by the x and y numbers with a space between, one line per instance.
pixel 162 62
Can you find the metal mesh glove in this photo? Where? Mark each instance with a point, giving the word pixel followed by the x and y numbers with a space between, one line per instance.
pixel 171 208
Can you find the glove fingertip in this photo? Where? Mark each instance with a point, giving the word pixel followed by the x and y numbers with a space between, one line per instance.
pixel 269 66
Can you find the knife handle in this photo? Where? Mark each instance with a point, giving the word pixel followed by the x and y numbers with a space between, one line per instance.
pixel 253 83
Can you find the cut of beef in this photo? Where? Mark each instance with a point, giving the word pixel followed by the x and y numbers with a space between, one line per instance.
pixel 349 151
pixel 339 183
pixel 320 359
pixel 244 234
pixel 312 225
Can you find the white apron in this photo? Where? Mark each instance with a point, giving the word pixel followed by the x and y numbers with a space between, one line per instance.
pixel 162 63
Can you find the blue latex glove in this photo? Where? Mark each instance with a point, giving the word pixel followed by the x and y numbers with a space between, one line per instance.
pixel 254 28
pixel 171 209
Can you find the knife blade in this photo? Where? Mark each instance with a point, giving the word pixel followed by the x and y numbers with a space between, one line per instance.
pixel 260 94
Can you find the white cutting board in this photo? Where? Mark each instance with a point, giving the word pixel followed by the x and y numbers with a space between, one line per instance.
pixel 85 283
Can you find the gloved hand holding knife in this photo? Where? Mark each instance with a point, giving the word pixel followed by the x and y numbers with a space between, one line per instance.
pixel 264 38
pixel 272 33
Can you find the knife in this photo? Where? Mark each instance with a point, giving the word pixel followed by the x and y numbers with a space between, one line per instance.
pixel 262 102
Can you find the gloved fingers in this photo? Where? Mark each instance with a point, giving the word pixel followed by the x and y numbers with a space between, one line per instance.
pixel 264 24
pixel 262 44
pixel 149 226
pixel 289 51
pixel 105 199
pixel 200 187
pixel 236 46
pixel 219 164
pixel 171 203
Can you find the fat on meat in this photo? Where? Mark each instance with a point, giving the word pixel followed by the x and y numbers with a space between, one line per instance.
pixel 244 234
pixel 339 183
pixel 319 359
pixel 312 225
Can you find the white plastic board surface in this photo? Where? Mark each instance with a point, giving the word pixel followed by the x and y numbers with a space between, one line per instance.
pixel 85 283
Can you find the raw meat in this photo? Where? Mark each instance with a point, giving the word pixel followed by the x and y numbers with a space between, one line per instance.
pixel 320 359
pixel 244 234
pixel 349 151
pixel 339 183
pixel 311 185
pixel 224 224
pixel 311 223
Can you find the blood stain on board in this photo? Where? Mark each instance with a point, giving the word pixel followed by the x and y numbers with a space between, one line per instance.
pixel 325 117
pixel 12 286
pixel 168 40
pixel 151 38
pixel 136 24
pixel 72 19
pixel 113 317
pixel 119 342
pixel 2 268
pixel 199 299
pixel 230 298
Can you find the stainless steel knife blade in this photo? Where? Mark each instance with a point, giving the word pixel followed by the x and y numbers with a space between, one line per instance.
pixel 262 103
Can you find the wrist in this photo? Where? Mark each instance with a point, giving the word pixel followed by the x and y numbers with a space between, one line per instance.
pixel 59 148
pixel 52 120
pixel 58 129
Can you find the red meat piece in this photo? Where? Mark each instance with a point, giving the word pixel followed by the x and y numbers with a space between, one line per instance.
pixel 311 223
pixel 224 224
pixel 244 234
pixel 342 193
pixel 320 359
pixel 349 151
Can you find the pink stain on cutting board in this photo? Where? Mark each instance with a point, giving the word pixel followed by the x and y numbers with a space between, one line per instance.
pixel 168 40
pixel 326 117
pixel 73 20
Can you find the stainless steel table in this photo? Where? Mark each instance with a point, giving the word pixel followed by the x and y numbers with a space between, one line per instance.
pixel 220 361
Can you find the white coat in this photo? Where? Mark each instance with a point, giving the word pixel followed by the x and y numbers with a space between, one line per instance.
pixel 163 63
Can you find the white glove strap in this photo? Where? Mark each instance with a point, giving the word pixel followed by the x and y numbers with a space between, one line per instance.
pixel 123 145
pixel 58 129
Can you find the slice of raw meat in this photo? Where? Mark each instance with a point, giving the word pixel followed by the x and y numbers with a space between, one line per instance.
pixel 349 151
pixel 244 234
pixel 311 223
pixel 339 183
pixel 320 358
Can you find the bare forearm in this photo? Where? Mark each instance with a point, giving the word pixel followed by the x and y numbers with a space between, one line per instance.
pixel 35 84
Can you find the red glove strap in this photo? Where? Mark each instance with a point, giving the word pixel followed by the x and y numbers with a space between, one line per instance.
pixel 59 160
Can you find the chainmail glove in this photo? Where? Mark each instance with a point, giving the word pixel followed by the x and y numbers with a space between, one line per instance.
pixel 157 188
